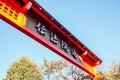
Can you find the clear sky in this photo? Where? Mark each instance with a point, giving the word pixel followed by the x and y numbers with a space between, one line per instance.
pixel 96 23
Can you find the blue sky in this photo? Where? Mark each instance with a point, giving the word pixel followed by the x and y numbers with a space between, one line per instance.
pixel 95 23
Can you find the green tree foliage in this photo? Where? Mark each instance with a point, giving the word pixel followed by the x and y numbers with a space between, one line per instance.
pixel 78 74
pixel 23 69
pixel 112 74
pixel 54 70
pixel 62 70
pixel 114 71
pixel 103 75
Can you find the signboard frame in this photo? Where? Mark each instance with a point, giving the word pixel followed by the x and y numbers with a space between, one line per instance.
pixel 38 24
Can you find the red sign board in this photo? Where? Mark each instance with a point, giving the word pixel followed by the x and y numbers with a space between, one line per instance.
pixel 30 18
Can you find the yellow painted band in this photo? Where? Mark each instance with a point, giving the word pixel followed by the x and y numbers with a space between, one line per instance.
pixel 12 15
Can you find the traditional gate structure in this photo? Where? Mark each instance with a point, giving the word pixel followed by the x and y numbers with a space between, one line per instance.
pixel 30 18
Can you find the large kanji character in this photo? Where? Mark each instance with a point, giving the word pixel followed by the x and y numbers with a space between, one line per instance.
pixel 53 38
pixel 73 53
pixel 64 46
pixel 40 29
